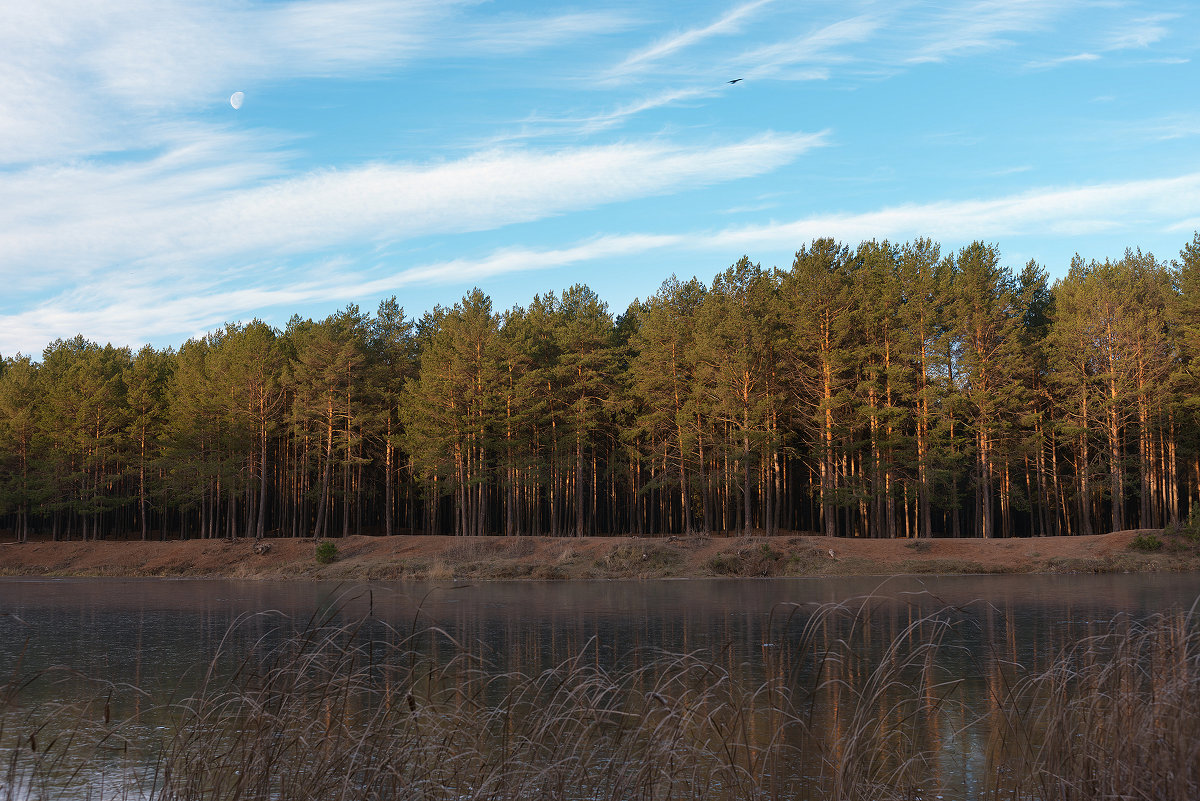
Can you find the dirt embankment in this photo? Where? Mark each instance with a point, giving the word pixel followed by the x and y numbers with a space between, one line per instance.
pixel 444 558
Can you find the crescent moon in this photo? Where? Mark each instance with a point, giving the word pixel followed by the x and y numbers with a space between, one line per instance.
pixel 236 99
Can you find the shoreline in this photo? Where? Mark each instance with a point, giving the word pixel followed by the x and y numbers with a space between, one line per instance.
pixel 438 557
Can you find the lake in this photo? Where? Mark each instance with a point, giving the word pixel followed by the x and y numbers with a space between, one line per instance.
pixel 160 636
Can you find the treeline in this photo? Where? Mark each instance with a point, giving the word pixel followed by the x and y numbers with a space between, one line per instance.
pixel 879 391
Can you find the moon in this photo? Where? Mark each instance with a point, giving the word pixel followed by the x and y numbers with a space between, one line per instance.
pixel 236 99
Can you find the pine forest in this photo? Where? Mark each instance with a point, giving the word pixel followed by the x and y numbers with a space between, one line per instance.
pixel 881 390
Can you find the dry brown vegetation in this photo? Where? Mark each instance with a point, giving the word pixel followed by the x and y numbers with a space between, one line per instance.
pixel 361 711
pixel 545 558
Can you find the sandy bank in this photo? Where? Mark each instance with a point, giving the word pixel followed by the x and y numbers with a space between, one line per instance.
pixel 436 557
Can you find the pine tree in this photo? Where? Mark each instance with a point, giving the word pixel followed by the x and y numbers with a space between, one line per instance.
pixel 818 296
pixel 450 408
pixel 663 377
pixel 987 315
pixel 146 387
pixel 923 322
pixel 391 361
pixel 19 467
pixel 584 377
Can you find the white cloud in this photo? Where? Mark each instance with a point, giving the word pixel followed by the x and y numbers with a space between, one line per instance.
pixel 979 26
pixel 1061 60
pixel 512 260
pixel 1134 206
pixel 82 78
pixel 507 36
pixel 1154 129
pixel 133 307
pixel 169 229
pixel 1010 170
pixel 88 218
pixel 539 126
pixel 819 47
pixel 730 22
pixel 1139 33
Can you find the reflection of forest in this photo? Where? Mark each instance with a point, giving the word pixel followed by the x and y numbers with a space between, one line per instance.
pixel 152 631
pixel 920 668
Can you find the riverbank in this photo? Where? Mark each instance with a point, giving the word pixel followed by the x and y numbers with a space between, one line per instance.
pixel 542 558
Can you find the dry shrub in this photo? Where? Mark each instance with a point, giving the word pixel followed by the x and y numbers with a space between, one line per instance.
pixel 639 559
pixel 483 553
pixel 360 710
pixel 1116 716
pixel 945 567
pixel 748 561
pixel 333 713
pixel 471 549
pixel 566 553
pixel 518 547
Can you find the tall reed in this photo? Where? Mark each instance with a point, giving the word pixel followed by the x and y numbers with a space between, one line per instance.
pixel 1116 716
pixel 362 710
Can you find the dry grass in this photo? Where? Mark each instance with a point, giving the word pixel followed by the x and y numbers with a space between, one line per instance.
pixel 639 559
pixel 361 710
pixel 1117 716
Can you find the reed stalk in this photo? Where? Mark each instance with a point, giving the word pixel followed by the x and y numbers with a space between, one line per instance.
pixel 334 709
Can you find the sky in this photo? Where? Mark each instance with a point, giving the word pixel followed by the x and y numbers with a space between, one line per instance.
pixel 420 148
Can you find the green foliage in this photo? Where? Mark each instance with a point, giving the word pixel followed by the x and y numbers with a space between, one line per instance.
pixel 880 390
pixel 1146 542
pixel 326 552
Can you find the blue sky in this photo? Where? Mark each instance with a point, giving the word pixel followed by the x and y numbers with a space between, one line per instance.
pixel 420 147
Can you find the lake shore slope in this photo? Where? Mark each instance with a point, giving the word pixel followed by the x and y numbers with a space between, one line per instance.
pixel 544 558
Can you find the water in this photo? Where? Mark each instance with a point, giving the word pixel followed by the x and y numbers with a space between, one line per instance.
pixel 160 635
pixel 155 630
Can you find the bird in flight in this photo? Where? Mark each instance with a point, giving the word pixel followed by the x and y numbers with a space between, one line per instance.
pixel 735 80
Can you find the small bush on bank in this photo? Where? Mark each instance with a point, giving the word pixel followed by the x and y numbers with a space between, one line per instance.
pixel 748 562
pixel 1146 543
pixel 326 552
pixel 639 559
pixel 1183 537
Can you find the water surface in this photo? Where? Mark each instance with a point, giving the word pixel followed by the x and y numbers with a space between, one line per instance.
pixel 155 630
pixel 161 635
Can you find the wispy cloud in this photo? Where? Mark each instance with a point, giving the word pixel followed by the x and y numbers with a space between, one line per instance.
pixel 521 35
pixel 1011 170
pixel 728 23
pixel 752 207
pixel 152 213
pixel 1141 32
pixel 1061 60
pixel 979 26
pixel 819 47
pixel 535 126
pixel 126 307
pixel 83 78
pixel 1133 34
pixel 1161 129
pixel 511 260
pixel 1138 206
pixel 185 224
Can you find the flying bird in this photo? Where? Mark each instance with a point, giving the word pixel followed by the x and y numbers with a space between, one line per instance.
pixel 735 80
